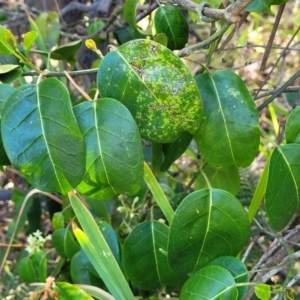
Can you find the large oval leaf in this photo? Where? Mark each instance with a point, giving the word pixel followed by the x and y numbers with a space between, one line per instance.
pixel 237 269
pixel 282 192
pixel 212 282
pixel 207 224
pixel 114 157
pixel 41 136
pixel 292 127
pixel 145 264
pixel 170 21
pixel 229 134
pixel 156 87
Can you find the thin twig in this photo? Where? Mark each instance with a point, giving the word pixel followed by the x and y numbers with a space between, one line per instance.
pixel 59 74
pixel 78 88
pixel 271 38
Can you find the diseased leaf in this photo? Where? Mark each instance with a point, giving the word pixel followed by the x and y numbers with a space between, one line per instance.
pixel 114 158
pixel 292 127
pixel 227 180
pixel 155 86
pixel 42 138
pixel 207 224
pixel 282 192
pixel 211 282
pixel 144 261
pixel 229 134
pixel 170 21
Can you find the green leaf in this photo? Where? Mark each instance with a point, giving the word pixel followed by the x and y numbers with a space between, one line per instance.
pixel 48 29
pixel 229 134
pixel 170 21
pixel 207 224
pixel 263 291
pixel 282 203
pixel 263 6
pixel 64 243
pixel 156 87
pixel 129 12
pixel 80 270
pixel 174 150
pixel 94 27
pixel 67 52
pixel 95 247
pixel 33 268
pixel 237 269
pixel 58 220
pixel 9 73
pixel 227 180
pixel 29 39
pixel 111 238
pixel 41 136
pixel 211 282
pixel 67 291
pixel 8 42
pixel 114 157
pixel 144 261
pixel 5 91
pixel 162 39
pixel 127 34
pixel 292 128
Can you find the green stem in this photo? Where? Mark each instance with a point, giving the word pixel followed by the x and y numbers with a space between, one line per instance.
pixel 58 74
pixel 158 193
pixel 187 50
pixel 259 193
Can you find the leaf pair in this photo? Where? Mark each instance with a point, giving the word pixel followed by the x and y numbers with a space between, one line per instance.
pixel 42 138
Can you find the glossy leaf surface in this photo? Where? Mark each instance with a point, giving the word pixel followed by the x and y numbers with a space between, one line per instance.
pixel 9 73
pixel 67 291
pixel 227 180
pixel 42 138
pixel 114 158
pixel 170 21
pixel 263 291
pixel 229 134
pixel 145 264
pixel 237 269
pixel 292 128
pixel 211 282
pixel 64 243
pixel 207 224
pixel 155 86
pixel 66 52
pixel 29 39
pixel 282 192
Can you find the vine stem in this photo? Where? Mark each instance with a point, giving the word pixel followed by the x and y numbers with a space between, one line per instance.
pixel 158 193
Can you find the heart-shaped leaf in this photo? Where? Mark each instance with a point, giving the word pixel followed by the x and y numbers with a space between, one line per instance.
pixel 207 224
pixel 227 180
pixel 237 269
pixel 211 282
pixel 64 243
pixel 156 87
pixel 229 134
pixel 114 157
pixel 292 128
pixel 282 192
pixel 42 138
pixel 144 259
pixel 170 21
